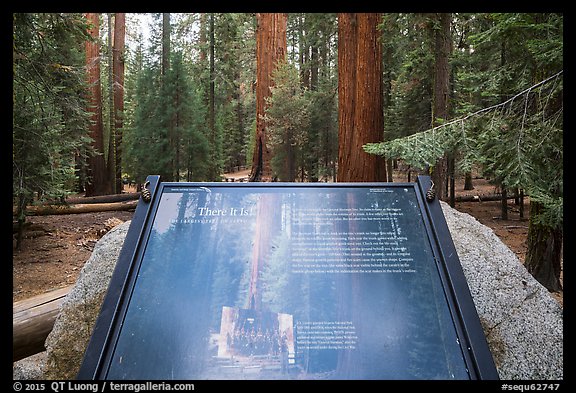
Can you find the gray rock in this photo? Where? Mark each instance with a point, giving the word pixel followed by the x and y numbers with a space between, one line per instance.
pixel 66 343
pixel 522 322
pixel 30 367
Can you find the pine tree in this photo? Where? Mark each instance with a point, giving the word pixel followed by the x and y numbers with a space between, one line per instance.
pixel 531 48
pixel 287 117
pixel 518 141
pixel 143 140
pixel 134 68
pixel 49 121
pixel 408 65
pixel 234 53
pixel 512 136
pixel 320 153
pixel 190 147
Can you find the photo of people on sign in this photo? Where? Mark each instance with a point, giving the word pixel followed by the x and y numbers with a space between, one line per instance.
pixel 288 283
pixel 255 341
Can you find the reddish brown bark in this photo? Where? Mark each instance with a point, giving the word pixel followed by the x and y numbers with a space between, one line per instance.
pixel 98 180
pixel 360 97
pixel 118 73
pixel 270 50
pixel 346 89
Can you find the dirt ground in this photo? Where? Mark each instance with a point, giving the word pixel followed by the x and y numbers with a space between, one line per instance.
pixel 56 247
pixel 54 251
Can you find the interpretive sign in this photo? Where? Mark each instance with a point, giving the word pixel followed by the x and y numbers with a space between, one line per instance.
pixel 288 281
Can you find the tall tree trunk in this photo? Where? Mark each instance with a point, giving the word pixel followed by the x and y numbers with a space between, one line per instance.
pixel 202 37
pixel 290 162
pixel 177 131
pixel 118 71
pixel 360 97
pixel 314 52
pixel 165 42
pixel 111 159
pixel 270 50
pixel 347 48
pixel 214 167
pixel 167 174
pixel 361 120
pixel 543 258
pixel 304 50
pixel 388 55
pixel 239 156
pixel 97 173
pixel 442 49
pixel 468 185
pixel 504 202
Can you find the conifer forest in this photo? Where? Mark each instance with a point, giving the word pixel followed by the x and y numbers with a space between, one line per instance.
pixel 102 100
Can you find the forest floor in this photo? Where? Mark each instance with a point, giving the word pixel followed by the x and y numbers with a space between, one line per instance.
pixel 54 252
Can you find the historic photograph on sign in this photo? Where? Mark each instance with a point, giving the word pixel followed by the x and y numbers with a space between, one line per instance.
pixel 288 283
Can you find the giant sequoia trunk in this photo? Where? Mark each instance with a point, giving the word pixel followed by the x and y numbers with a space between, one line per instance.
pixel 543 258
pixel 360 98
pixel 98 183
pixel 270 50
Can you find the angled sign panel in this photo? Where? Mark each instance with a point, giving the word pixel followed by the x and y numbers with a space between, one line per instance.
pixel 288 281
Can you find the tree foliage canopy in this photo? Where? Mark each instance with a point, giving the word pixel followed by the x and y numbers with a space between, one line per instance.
pixel 287 119
pixel 518 142
pixel 507 101
pixel 49 122
pixel 166 117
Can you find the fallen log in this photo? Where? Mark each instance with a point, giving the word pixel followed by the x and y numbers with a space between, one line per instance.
pixel 129 196
pixel 47 210
pixel 32 321
pixel 480 198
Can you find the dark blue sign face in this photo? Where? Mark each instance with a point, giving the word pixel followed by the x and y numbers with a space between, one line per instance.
pixel 288 283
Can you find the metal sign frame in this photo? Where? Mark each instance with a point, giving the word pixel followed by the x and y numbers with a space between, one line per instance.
pixel 476 353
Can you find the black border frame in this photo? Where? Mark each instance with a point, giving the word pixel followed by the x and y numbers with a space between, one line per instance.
pixel 476 352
